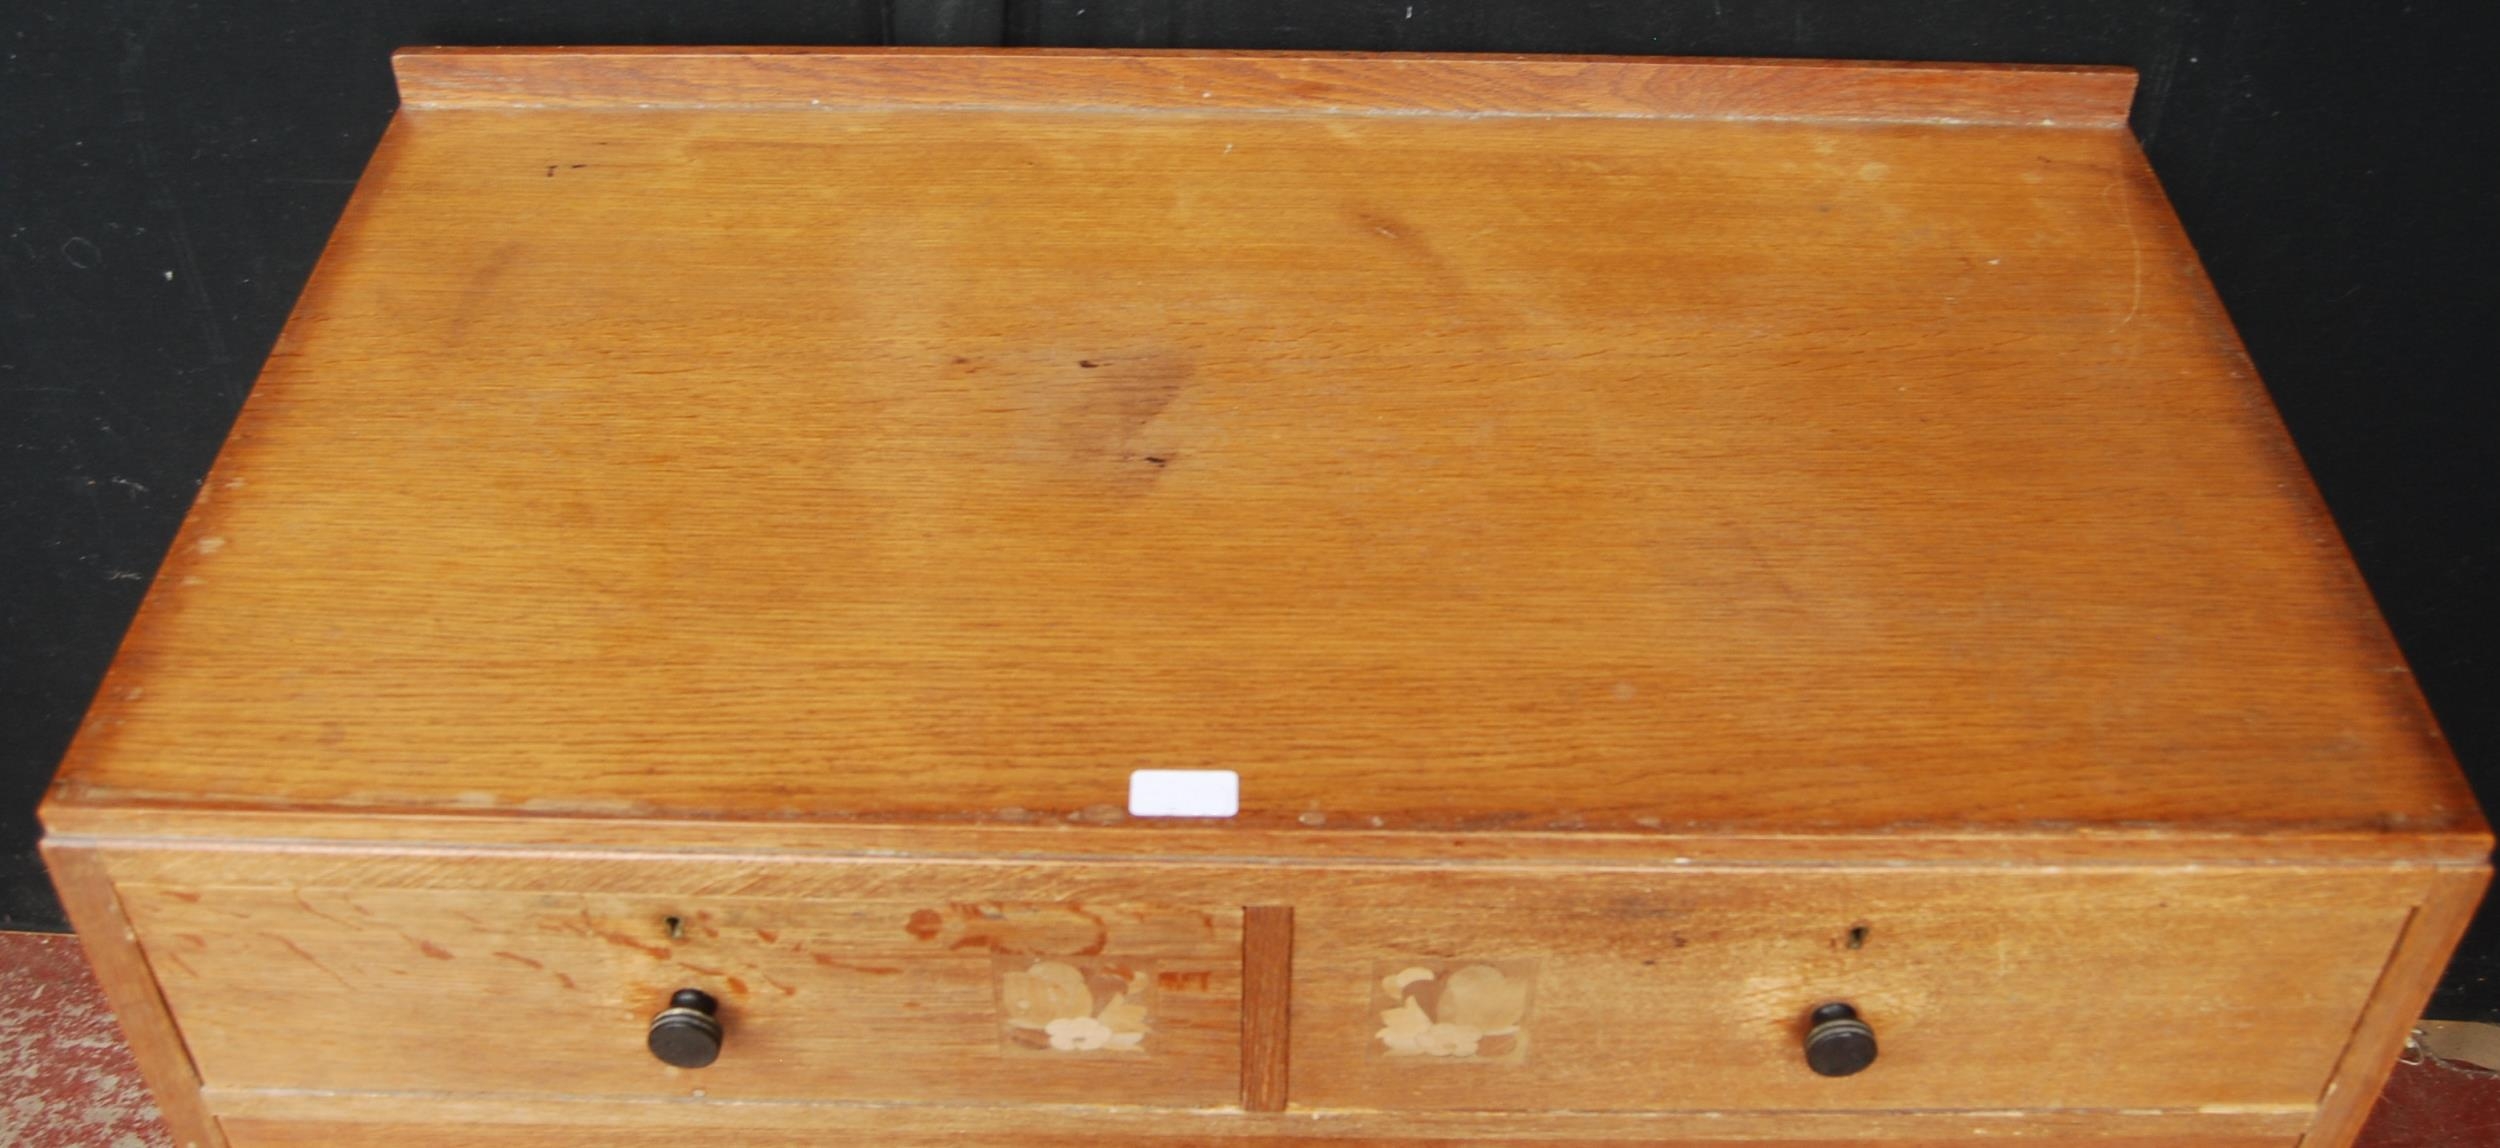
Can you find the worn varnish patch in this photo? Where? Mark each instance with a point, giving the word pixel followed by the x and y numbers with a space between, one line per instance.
pixel 1075 1006
pixel 1472 1011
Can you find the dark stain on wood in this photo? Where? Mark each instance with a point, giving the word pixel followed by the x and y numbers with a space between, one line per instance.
pixel 1184 980
pixel 871 970
pixel 623 940
pixel 925 924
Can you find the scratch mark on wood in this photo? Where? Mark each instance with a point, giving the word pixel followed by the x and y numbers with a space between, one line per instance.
pixel 872 970
pixel 624 940
pixel 2135 254
pixel 307 906
pixel 300 951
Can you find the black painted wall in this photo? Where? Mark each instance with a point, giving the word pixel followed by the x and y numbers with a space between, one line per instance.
pixel 169 169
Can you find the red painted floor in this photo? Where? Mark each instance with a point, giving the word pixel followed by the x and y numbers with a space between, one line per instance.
pixel 66 1079
pixel 2436 1104
pixel 69 1083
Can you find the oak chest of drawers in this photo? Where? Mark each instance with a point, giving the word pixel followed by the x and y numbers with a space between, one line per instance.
pixel 854 597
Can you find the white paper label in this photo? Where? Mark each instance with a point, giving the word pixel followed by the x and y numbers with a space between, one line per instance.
pixel 1184 793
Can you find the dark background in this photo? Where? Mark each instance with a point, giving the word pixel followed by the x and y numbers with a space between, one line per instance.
pixel 169 169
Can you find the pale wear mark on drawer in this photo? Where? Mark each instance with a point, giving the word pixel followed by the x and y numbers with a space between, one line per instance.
pixel 1454 1011
pixel 1064 1007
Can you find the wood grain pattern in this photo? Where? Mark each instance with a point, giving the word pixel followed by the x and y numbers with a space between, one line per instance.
pixel 271 1134
pixel 263 1120
pixel 1266 1007
pixel 870 980
pixel 2412 973
pixel 855 998
pixel 1334 83
pixel 1740 491
pixel 2101 991
pixel 95 911
pixel 1034 839
pixel 1664 543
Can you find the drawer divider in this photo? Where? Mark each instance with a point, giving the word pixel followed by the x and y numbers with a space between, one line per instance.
pixel 1266 1006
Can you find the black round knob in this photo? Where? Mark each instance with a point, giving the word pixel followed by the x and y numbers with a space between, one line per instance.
pixel 687 1033
pixel 1839 1044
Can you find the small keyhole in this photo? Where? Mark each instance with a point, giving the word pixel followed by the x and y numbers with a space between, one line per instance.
pixel 677 929
pixel 1857 936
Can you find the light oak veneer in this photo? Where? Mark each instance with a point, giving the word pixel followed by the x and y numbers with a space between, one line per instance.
pixel 1664 544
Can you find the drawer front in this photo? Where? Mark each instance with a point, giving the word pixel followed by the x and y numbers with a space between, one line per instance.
pixel 1432 992
pixel 2001 989
pixel 970 984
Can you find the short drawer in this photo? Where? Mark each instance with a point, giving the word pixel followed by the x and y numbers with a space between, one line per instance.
pixel 965 984
pixel 2004 989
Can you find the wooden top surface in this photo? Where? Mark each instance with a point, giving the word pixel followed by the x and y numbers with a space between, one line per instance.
pixel 1658 469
